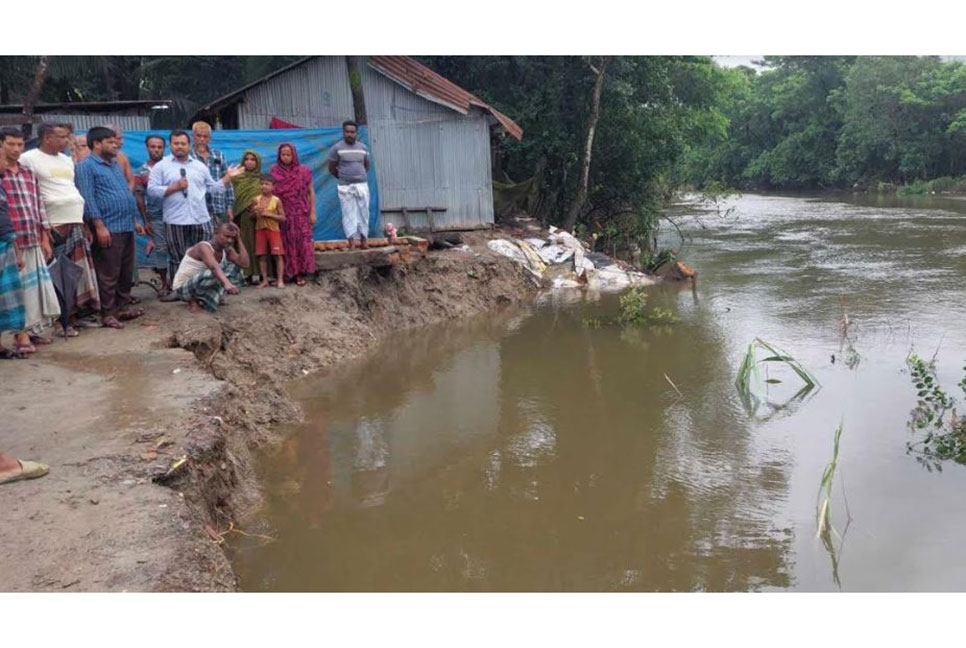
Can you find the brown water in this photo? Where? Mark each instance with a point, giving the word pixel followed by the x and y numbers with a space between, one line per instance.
pixel 528 451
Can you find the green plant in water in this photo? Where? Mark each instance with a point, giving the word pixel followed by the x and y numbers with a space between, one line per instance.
pixel 634 311
pixel 749 381
pixel 824 519
pixel 823 507
pixel 945 436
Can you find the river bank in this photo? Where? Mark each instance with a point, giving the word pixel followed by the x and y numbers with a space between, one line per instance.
pixel 113 411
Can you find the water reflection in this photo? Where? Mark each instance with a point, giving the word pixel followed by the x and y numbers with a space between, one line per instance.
pixel 529 451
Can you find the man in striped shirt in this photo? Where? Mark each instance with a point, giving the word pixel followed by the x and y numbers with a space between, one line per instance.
pixel 109 208
pixel 219 203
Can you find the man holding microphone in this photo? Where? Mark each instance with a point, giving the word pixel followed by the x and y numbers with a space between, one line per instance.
pixel 182 182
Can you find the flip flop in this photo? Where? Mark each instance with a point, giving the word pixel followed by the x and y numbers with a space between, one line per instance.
pixel 40 339
pixel 28 470
pixel 111 322
pixel 69 332
pixel 87 322
pixel 130 314
pixel 300 281
pixel 24 349
pixel 11 354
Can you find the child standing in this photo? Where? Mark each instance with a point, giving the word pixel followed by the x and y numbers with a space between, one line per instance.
pixel 268 236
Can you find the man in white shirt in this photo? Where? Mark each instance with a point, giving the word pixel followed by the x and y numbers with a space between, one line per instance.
pixel 182 181
pixel 65 209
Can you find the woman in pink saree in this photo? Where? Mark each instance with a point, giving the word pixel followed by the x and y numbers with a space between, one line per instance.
pixel 293 185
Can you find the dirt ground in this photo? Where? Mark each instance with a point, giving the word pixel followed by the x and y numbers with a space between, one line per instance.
pixel 112 412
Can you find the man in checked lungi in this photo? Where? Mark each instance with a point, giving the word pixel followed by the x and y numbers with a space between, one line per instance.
pixel 210 269
pixel 12 313
pixel 29 219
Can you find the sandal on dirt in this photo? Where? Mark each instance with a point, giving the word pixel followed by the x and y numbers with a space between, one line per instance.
pixel 69 332
pixel 129 314
pixel 87 322
pixel 24 349
pixel 111 322
pixel 11 354
pixel 300 281
pixel 40 340
pixel 28 470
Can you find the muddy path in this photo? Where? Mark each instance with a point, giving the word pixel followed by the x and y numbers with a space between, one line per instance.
pixel 112 411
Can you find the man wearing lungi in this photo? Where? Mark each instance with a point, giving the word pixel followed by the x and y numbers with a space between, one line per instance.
pixel 349 162
pixel 30 221
pixel 65 210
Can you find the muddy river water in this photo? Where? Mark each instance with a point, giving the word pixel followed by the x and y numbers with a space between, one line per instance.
pixel 528 451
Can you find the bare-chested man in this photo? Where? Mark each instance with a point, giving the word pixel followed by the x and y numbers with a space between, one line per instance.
pixel 210 269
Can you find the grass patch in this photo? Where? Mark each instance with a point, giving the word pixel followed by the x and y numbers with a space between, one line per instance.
pixel 749 382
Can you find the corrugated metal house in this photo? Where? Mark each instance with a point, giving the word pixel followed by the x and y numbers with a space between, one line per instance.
pixel 129 115
pixel 430 138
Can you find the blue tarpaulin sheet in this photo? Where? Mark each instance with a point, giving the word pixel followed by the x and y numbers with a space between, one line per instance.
pixel 313 145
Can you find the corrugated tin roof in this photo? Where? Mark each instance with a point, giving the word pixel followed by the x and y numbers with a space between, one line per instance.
pixel 93 106
pixel 407 72
pixel 421 80
pixel 229 98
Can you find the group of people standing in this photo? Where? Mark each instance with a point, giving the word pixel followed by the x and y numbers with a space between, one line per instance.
pixel 76 196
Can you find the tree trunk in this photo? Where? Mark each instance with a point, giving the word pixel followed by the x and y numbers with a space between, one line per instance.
pixel 578 203
pixel 355 85
pixel 40 75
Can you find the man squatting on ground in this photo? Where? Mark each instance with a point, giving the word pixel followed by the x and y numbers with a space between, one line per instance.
pixel 181 183
pixel 211 268
pixel 349 162
pixel 109 207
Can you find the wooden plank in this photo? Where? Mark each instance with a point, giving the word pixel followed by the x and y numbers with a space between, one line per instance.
pixel 395 210
pixel 405 215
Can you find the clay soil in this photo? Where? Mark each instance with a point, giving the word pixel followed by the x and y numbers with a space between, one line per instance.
pixel 113 411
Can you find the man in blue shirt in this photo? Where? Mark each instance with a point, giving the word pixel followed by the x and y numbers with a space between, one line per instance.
pixel 109 209
pixel 182 182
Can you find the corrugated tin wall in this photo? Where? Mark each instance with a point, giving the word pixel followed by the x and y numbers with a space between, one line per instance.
pixel 85 122
pixel 428 155
pixel 314 95
pixel 425 154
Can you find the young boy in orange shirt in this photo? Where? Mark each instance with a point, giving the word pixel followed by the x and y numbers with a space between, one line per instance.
pixel 268 236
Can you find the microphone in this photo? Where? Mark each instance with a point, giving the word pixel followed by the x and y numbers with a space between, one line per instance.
pixel 184 192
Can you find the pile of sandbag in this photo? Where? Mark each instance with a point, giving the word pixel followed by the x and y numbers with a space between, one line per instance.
pixel 562 262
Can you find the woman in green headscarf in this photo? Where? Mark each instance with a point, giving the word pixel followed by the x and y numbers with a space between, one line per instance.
pixel 247 188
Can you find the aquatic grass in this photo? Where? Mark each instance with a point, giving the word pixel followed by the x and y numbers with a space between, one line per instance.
pixel 823 519
pixel 749 381
pixel 823 507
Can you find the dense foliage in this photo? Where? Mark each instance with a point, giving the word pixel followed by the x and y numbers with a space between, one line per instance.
pixel 830 121
pixel 191 79
pixel 652 110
